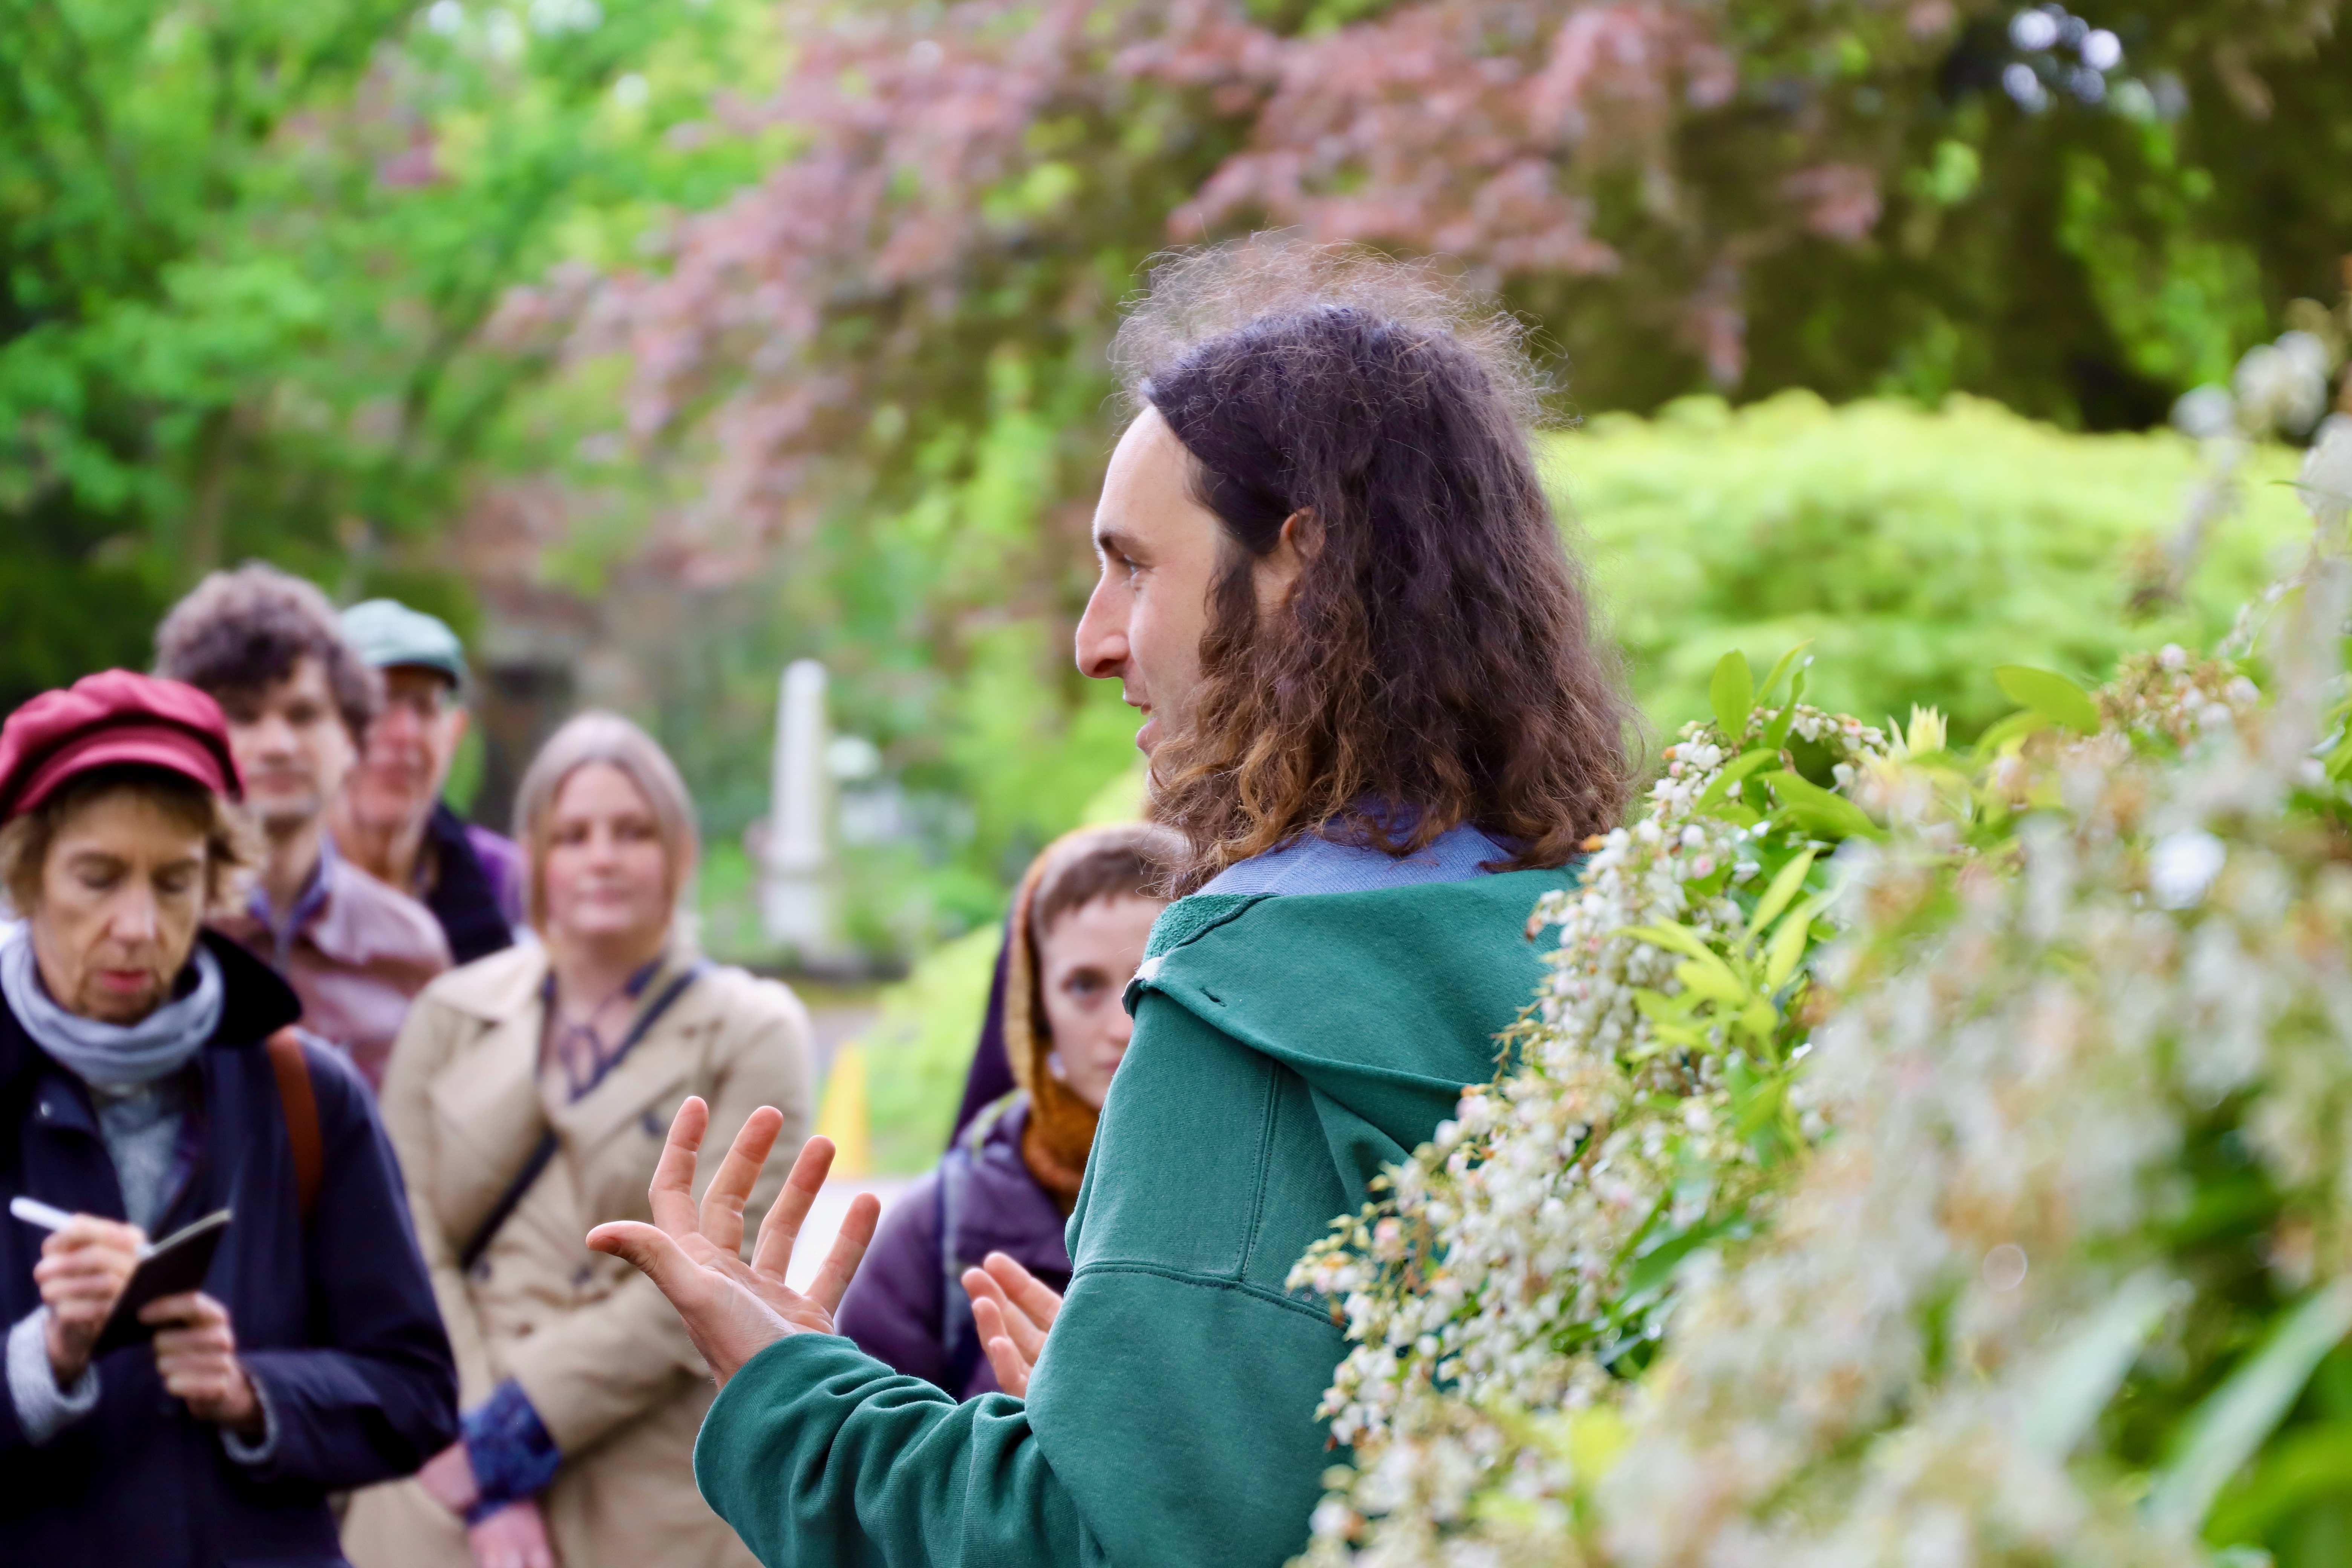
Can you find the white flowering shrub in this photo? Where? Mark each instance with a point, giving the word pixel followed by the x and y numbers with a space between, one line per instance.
pixel 1526 1260
pixel 1912 1158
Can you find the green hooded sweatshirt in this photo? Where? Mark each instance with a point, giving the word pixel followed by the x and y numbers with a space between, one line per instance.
pixel 1285 1049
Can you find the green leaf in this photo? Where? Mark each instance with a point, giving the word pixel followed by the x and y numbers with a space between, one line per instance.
pixel 1711 980
pixel 1657 1265
pixel 2339 761
pixel 2231 1422
pixel 1732 693
pixel 2088 1369
pixel 2001 732
pixel 1819 810
pixel 1783 888
pixel 1739 768
pixel 1671 937
pixel 1776 734
pixel 1780 669
pixel 2306 1465
pixel 2050 694
pixel 1788 945
pixel 1661 1008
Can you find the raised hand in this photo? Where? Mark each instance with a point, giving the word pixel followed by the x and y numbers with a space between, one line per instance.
pixel 195 1355
pixel 1013 1309
pixel 733 1310
pixel 84 1265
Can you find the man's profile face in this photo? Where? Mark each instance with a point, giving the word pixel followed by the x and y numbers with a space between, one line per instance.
pixel 1159 551
pixel 409 749
pixel 290 745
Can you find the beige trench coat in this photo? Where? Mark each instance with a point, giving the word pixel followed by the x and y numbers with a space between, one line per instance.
pixel 600 1353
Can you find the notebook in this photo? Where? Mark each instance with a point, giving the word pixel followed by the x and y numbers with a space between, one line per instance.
pixel 175 1264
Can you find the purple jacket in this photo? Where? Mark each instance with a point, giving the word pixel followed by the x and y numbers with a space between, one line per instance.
pixel 899 1308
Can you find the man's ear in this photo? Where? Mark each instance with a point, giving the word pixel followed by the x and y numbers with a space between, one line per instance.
pixel 1277 570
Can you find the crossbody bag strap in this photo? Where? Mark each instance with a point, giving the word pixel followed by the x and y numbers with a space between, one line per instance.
pixel 300 1104
pixel 543 1151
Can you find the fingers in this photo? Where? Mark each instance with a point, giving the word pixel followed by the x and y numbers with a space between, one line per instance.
pixel 672 1194
pixel 89 1254
pixel 204 1380
pixel 212 1340
pixel 193 1307
pixel 785 1215
pixel 447 1478
pixel 1028 1304
pixel 848 1249
pixel 84 1265
pixel 1008 1319
pixel 513 1537
pixel 731 1188
pixel 1031 1294
pixel 656 1255
pixel 1004 1357
pixel 81 1277
pixel 86 1231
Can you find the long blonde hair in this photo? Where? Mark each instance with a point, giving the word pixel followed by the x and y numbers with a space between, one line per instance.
pixel 607 738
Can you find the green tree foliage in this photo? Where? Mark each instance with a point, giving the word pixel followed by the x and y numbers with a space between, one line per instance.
pixel 248 257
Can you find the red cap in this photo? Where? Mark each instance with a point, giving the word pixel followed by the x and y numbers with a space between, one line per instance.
pixel 115 716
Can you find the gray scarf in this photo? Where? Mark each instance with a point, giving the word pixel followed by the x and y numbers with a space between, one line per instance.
pixel 113 1057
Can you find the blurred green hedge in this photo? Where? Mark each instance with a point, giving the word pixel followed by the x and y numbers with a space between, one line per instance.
pixel 1916 548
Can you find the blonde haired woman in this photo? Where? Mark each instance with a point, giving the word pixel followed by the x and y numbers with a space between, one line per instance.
pixel 528 1099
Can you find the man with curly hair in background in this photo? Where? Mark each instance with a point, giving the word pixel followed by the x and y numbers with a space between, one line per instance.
pixel 269 648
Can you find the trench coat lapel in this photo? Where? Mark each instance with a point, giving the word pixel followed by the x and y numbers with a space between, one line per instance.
pixel 486 1103
pixel 653 1073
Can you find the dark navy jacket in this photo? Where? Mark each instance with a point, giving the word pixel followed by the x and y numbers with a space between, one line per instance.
pixel 335 1319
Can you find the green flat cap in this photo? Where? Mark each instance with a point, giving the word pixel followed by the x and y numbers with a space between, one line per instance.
pixel 387 633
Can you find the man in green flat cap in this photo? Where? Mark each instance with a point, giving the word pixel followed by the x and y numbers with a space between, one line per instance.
pixel 390 820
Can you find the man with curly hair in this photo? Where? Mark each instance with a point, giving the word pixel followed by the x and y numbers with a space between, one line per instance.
pixel 269 648
pixel 1378 718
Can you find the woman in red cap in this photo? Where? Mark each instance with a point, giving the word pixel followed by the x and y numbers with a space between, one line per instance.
pixel 149 1077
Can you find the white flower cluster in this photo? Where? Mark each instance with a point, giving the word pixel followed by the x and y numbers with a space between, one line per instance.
pixel 1521 1266
pixel 1962 1280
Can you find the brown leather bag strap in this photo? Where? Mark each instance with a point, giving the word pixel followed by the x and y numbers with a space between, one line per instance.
pixel 301 1116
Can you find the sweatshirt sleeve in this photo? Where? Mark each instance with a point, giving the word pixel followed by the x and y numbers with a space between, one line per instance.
pixel 817 1454
pixel 1170 1418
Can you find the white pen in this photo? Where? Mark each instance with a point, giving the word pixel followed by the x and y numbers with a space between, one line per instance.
pixel 33 1211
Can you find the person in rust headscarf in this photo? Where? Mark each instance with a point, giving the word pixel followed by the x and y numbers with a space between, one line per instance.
pixel 1008 1182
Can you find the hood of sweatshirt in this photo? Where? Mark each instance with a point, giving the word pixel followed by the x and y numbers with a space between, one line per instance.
pixel 1388 1001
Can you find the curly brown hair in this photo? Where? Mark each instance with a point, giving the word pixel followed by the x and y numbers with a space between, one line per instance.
pixel 1435 661
pixel 238 633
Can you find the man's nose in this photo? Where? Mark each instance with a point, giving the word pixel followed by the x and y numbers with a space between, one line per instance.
pixel 398 726
pixel 1119 1027
pixel 1102 636
pixel 272 734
